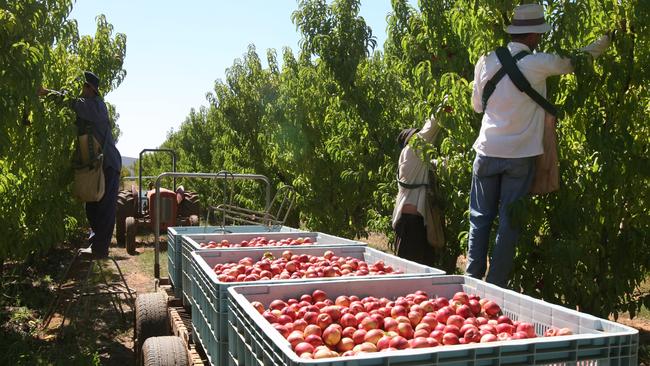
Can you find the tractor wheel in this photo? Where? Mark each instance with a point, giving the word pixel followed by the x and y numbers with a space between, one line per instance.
pixel 194 220
pixel 151 319
pixel 190 205
pixel 125 208
pixel 164 351
pixel 130 234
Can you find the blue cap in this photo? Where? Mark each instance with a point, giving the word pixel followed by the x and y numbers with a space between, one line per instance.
pixel 92 80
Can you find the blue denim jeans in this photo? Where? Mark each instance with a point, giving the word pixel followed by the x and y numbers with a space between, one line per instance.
pixel 496 183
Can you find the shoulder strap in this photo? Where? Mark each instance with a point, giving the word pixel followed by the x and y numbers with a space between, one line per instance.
pixel 520 81
pixel 409 185
pixel 91 143
pixel 492 83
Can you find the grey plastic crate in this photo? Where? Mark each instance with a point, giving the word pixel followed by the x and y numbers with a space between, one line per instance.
pixel 253 341
pixel 211 306
pixel 190 243
pixel 174 252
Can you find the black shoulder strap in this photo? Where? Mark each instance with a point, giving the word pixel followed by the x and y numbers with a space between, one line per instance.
pixel 520 81
pixel 409 185
pixel 91 144
pixel 491 84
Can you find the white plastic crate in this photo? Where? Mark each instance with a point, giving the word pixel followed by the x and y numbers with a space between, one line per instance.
pixel 174 244
pixel 210 306
pixel 253 341
pixel 190 243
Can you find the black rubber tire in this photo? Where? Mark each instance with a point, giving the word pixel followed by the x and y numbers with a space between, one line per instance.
pixel 130 234
pixel 164 351
pixel 120 230
pixel 125 208
pixel 193 220
pixel 151 318
pixel 190 205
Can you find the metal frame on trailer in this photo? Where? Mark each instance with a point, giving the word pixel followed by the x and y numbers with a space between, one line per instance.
pixel 219 175
pixel 163 313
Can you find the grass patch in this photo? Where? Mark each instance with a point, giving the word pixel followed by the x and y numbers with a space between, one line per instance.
pixel 146 259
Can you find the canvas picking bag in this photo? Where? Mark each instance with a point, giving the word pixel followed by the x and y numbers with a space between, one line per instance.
pixel 547 165
pixel 89 182
pixel 434 219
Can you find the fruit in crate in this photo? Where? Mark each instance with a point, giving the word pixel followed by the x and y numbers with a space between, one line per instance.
pixel 259 241
pixel 293 266
pixel 343 326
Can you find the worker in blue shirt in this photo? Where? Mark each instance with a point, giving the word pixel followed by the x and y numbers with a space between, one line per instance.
pixel 91 112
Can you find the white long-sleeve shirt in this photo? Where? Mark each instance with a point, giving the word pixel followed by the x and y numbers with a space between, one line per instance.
pixel 413 170
pixel 513 124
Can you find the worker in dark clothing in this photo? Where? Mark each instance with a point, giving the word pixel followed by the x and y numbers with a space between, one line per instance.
pixel 91 112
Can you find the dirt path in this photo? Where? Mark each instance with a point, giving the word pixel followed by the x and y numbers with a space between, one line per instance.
pixel 105 331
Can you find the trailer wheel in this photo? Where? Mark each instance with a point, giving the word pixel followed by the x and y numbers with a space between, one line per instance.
pixel 164 351
pixel 130 235
pixel 151 318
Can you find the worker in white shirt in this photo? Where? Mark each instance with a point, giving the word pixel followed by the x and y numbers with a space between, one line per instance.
pixel 510 138
pixel 410 214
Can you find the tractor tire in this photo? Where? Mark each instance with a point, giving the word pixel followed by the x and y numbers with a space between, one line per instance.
pixel 130 234
pixel 193 220
pixel 164 351
pixel 125 208
pixel 151 319
pixel 190 205
pixel 120 230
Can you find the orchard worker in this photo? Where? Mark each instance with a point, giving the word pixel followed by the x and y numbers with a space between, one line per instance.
pixel 418 229
pixel 510 136
pixel 91 112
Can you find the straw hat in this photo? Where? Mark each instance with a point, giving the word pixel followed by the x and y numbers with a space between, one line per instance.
pixel 528 18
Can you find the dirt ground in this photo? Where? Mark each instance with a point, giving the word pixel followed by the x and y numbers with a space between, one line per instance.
pixel 92 330
pixel 97 333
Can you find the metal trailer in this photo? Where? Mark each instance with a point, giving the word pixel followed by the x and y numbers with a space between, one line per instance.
pixel 162 325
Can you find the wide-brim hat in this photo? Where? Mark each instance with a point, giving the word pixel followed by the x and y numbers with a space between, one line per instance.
pixel 528 18
pixel 92 80
pixel 405 135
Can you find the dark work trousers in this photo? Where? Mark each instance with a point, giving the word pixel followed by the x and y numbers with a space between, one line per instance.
pixel 101 215
pixel 411 240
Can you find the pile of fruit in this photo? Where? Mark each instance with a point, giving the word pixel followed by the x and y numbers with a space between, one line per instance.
pixel 260 241
pixel 319 327
pixel 295 266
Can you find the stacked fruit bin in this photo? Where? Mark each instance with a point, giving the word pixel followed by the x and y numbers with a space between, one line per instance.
pixel 174 242
pixel 550 334
pixel 293 238
pixel 211 304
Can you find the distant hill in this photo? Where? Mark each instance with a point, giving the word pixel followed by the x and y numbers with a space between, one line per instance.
pixel 129 163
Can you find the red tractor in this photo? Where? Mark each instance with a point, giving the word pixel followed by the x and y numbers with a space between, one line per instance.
pixel 136 207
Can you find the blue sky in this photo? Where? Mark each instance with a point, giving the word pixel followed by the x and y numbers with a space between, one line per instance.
pixel 175 51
